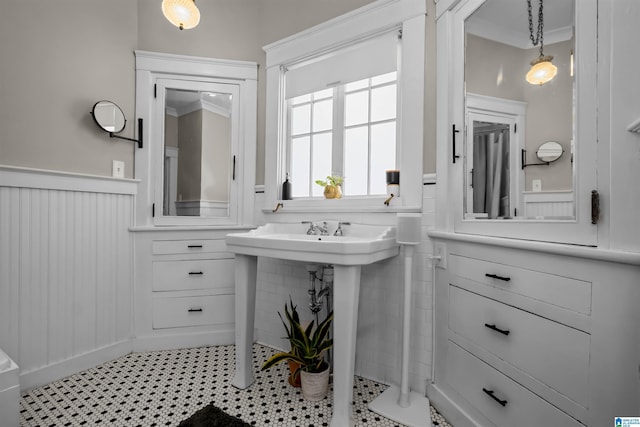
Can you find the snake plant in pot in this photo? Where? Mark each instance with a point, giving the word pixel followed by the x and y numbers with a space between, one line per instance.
pixel 308 346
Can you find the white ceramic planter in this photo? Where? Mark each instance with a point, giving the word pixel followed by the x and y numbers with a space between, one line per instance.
pixel 315 386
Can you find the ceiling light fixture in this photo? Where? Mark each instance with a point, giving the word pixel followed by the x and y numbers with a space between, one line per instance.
pixel 184 14
pixel 542 70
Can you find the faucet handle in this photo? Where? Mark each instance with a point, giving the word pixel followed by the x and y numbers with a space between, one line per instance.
pixel 339 231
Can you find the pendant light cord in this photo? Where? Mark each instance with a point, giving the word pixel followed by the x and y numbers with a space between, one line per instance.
pixel 539 38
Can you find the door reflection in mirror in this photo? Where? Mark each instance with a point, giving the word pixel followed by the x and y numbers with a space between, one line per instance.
pixel 197 152
pixel 490 174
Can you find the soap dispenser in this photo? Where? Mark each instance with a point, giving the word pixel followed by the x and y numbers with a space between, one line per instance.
pixel 286 189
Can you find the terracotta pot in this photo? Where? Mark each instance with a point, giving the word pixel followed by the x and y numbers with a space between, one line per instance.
pixel 332 192
pixel 315 386
pixel 293 365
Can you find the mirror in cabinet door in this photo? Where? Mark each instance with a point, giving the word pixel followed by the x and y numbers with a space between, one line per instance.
pixel 198 167
pixel 200 137
pixel 504 122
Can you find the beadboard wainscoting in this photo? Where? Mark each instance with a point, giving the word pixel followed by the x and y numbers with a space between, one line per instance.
pixel 65 271
pixel 379 334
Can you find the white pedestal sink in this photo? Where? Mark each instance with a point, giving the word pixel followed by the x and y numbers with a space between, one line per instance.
pixel 360 245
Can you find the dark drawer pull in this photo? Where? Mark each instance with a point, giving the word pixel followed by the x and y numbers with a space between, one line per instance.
pixel 195 246
pixel 493 396
pixel 495 276
pixel 494 328
pixel 196 273
pixel 195 310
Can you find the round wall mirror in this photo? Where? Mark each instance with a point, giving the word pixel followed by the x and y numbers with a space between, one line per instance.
pixel 550 151
pixel 108 116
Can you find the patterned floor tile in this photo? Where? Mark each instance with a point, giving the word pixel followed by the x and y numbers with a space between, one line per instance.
pixel 162 388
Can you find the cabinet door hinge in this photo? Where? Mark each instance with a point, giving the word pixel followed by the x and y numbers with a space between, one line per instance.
pixel 595 207
pixel 155 90
pixel 515 128
pixel 153 210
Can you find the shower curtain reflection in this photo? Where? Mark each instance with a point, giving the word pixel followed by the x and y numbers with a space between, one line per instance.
pixel 490 169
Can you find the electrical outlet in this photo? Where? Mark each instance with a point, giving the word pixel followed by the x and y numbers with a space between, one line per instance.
pixel 536 185
pixel 440 250
pixel 118 169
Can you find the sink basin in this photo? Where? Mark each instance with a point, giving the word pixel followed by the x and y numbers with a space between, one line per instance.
pixel 360 243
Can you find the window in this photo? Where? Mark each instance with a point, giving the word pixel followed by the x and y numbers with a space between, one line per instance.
pixel 347 98
pixel 360 144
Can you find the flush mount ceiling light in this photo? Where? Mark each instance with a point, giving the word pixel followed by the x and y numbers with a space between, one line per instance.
pixel 184 14
pixel 542 70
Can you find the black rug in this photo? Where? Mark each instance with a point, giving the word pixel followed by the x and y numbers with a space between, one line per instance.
pixel 211 416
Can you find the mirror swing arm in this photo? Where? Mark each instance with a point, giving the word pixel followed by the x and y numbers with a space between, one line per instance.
pixel 524 160
pixel 140 133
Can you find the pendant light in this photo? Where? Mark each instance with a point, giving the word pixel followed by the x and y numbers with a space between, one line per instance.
pixel 542 70
pixel 184 14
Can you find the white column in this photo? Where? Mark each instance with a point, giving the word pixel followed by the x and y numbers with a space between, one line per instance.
pixel 246 273
pixel 346 291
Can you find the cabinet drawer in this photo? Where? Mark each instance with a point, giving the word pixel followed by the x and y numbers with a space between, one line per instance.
pixel 565 292
pixel 511 404
pixel 193 274
pixel 167 247
pixel 193 311
pixel 554 354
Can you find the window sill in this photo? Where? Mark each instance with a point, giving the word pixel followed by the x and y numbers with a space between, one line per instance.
pixel 346 204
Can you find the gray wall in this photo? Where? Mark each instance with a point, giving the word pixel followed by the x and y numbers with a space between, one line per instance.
pixel 61 57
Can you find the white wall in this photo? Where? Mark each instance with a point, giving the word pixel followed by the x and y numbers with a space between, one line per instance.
pixel 65 271
pixel 379 333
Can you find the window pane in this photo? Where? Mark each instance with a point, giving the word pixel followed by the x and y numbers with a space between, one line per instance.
pixel 356 108
pixel 383 103
pixel 321 94
pixel 321 161
pixel 384 78
pixel 383 155
pixel 322 115
pixel 300 151
pixel 356 147
pixel 360 84
pixel 300 99
pixel 301 119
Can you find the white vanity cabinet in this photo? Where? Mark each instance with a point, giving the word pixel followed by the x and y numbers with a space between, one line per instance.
pixel 535 318
pixel 185 293
pixel 534 338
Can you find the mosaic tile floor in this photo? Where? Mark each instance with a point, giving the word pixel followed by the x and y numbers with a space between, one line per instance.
pixel 162 388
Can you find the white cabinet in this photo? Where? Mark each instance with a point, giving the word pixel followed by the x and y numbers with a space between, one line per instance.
pixel 185 288
pixel 526 337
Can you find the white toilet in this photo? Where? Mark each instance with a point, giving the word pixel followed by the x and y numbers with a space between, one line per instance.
pixel 9 392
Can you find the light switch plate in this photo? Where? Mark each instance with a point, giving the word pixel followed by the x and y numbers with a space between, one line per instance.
pixel 118 169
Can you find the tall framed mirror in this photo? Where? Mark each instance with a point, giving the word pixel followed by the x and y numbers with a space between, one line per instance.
pixel 200 142
pixel 496 183
pixel 499 51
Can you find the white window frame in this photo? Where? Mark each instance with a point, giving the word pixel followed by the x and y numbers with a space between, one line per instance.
pixel 375 18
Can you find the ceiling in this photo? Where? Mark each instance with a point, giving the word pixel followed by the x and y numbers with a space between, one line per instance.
pixel 184 101
pixel 507 21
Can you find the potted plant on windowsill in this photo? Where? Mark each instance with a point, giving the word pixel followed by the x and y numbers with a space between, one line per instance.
pixel 308 346
pixel 332 186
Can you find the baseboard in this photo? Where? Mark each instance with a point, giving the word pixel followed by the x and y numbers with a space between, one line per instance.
pixel 456 414
pixel 183 340
pixel 44 375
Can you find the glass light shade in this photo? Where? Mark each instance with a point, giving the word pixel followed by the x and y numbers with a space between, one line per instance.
pixel 182 13
pixel 542 71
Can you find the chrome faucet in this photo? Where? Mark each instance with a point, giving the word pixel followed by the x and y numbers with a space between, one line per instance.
pixel 315 228
pixel 339 231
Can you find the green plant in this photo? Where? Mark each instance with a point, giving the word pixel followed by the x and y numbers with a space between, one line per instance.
pixel 334 180
pixel 307 344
